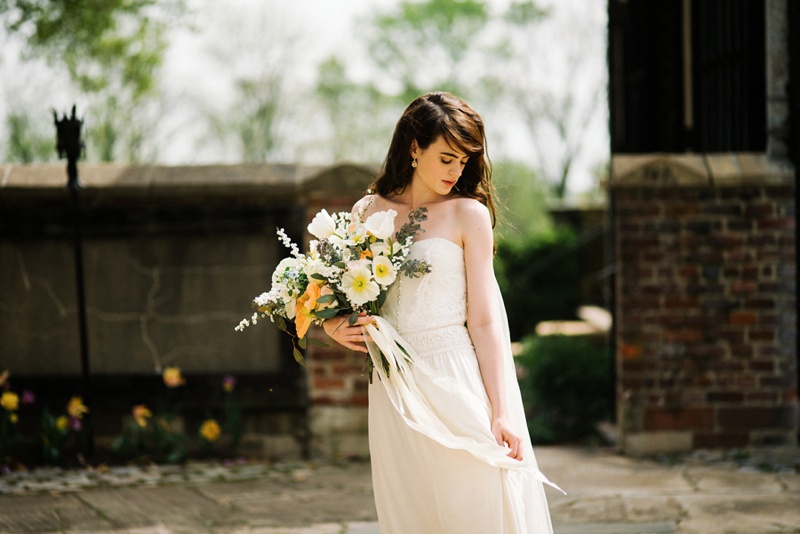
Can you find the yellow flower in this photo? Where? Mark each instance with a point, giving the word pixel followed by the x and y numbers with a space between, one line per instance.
pixel 306 304
pixel 9 401
pixel 62 423
pixel 76 408
pixel 172 377
pixel 13 418
pixel 141 414
pixel 210 430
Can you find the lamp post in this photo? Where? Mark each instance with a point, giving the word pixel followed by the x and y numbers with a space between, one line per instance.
pixel 70 145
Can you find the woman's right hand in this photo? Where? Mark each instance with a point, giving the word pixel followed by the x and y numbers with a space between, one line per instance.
pixel 352 337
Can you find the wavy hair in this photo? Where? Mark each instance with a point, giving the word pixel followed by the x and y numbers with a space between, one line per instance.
pixel 426 119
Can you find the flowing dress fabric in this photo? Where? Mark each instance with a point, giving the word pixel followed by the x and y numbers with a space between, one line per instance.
pixel 435 466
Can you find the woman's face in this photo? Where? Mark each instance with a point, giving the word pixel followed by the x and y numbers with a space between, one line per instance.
pixel 439 166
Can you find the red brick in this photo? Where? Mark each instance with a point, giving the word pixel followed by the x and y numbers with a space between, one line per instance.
pixel 703 440
pixel 742 318
pixel 360 400
pixel 760 365
pixel 738 287
pixel 679 419
pixel 762 334
pixel 328 383
pixel 786 223
pixel 756 417
pixel 762 396
pixel 724 396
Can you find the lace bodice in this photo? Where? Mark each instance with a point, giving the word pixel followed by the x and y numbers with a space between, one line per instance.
pixel 434 300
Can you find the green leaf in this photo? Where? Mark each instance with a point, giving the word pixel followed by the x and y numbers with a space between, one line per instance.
pixel 317 342
pixel 298 357
pixel 352 319
pixel 381 299
pixel 280 322
pixel 317 276
pixel 327 313
pixel 326 299
pixel 302 342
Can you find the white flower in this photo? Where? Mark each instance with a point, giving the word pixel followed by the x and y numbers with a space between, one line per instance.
pixel 381 248
pixel 358 285
pixel 381 224
pixel 286 264
pixel 322 226
pixel 384 271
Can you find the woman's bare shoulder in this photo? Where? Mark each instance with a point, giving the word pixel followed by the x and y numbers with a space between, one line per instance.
pixel 471 210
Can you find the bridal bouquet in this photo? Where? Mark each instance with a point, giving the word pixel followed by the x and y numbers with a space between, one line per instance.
pixel 347 270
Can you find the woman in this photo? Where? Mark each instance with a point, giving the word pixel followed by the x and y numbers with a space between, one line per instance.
pixel 470 468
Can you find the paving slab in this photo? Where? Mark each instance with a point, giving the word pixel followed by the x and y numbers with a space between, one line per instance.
pixel 706 493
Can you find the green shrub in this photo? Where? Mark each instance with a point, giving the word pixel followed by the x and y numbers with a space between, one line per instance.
pixel 566 386
pixel 538 277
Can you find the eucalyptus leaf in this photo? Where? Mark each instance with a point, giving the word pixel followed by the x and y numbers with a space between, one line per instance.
pixel 353 318
pixel 327 313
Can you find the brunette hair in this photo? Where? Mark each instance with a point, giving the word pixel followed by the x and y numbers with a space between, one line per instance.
pixel 426 119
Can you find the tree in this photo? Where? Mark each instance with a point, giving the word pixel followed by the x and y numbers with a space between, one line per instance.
pixel 258 52
pixel 90 38
pixel 112 51
pixel 558 95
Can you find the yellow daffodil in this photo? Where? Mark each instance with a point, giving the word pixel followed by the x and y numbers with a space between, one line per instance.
pixel 210 430
pixel 76 408
pixel 62 423
pixel 172 377
pixel 9 401
pixel 141 414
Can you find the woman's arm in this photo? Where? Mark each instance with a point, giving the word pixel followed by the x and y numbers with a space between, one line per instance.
pixel 485 327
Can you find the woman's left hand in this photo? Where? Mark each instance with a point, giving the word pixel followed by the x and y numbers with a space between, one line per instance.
pixel 504 435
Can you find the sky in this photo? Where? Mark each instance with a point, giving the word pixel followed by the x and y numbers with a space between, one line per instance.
pixel 318 28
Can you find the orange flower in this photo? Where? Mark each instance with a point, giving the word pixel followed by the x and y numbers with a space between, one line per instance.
pixel 141 414
pixel 366 254
pixel 172 377
pixel 306 304
pixel 76 408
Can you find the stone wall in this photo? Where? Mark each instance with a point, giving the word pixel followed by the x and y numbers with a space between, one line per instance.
pixel 173 257
pixel 705 301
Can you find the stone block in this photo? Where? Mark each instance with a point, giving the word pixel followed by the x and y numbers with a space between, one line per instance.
pixel 649 443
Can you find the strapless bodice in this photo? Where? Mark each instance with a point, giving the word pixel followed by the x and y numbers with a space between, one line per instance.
pixel 434 300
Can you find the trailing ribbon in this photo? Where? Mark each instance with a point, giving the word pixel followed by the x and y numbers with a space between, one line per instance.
pixel 410 383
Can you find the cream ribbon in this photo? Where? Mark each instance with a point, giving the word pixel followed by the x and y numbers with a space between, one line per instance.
pixel 404 388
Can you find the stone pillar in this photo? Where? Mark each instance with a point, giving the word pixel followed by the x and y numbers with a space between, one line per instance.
pixel 705 301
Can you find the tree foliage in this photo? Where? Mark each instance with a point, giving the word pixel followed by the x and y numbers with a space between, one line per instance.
pixel 95 38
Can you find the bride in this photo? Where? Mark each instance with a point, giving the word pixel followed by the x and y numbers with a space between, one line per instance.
pixel 464 464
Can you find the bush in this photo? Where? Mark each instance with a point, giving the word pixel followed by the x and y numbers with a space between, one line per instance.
pixel 538 277
pixel 566 386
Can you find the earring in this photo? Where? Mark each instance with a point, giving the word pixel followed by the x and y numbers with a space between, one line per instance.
pixel 414 162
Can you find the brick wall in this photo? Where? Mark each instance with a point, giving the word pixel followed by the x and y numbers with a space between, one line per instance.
pixel 337 382
pixel 705 302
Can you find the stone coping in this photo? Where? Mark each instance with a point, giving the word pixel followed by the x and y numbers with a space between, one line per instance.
pixel 155 179
pixel 662 170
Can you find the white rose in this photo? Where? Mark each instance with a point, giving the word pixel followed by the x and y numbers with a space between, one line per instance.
pixel 322 226
pixel 381 224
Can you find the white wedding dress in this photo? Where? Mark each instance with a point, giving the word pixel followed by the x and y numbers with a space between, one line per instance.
pixel 435 466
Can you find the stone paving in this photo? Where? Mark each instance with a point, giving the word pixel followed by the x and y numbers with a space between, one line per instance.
pixel 755 491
